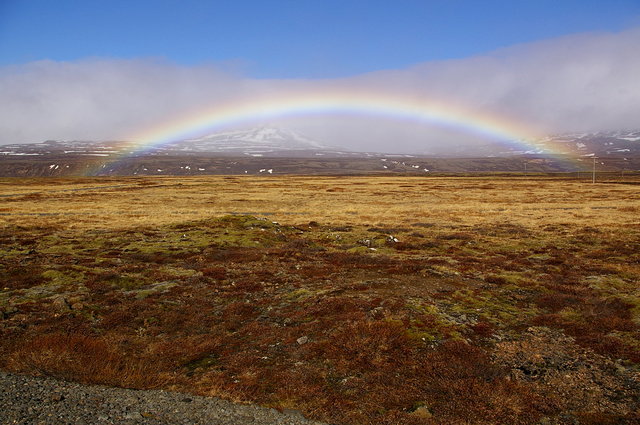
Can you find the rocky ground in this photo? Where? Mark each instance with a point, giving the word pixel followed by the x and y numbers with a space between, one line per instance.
pixel 31 400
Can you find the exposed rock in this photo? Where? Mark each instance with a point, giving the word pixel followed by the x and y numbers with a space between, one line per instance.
pixel 574 377
pixel 133 415
pixel 10 310
pixel 61 303
pixel 422 412
pixel 391 239
pixel 56 397
pixel 77 306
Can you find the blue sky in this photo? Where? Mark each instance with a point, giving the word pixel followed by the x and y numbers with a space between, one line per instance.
pixel 114 69
pixel 293 38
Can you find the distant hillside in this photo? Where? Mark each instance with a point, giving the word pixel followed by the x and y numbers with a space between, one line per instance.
pixel 269 150
pixel 601 144
pixel 207 164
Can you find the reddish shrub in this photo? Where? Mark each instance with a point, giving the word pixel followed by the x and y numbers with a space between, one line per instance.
pixel 555 302
pixel 234 255
pixel 238 313
pixel 483 329
pixel 218 273
pixel 19 277
pixel 85 359
pixel 498 280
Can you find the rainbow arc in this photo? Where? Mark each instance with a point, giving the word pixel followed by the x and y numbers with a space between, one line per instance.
pixel 305 104
pixel 381 105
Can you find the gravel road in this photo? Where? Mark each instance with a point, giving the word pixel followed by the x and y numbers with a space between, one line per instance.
pixel 43 401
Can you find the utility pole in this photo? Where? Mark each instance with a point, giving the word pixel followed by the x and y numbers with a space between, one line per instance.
pixel 593 180
pixel 525 168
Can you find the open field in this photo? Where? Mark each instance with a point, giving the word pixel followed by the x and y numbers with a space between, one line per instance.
pixel 64 165
pixel 357 300
pixel 125 202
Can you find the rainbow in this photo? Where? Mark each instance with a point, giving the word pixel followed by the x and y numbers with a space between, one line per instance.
pixel 384 105
pixel 338 103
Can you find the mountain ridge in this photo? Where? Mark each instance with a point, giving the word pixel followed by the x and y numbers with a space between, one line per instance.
pixel 281 142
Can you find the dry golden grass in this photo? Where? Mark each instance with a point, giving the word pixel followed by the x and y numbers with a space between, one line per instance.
pixel 129 202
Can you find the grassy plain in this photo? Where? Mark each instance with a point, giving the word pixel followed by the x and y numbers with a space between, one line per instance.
pixel 358 300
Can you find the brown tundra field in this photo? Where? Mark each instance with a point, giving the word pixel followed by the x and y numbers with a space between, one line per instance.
pixel 356 300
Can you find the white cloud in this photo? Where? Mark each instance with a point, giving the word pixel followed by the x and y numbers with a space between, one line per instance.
pixel 580 82
pixel 100 99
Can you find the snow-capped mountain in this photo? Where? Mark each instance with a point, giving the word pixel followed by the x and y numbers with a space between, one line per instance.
pixel 259 141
